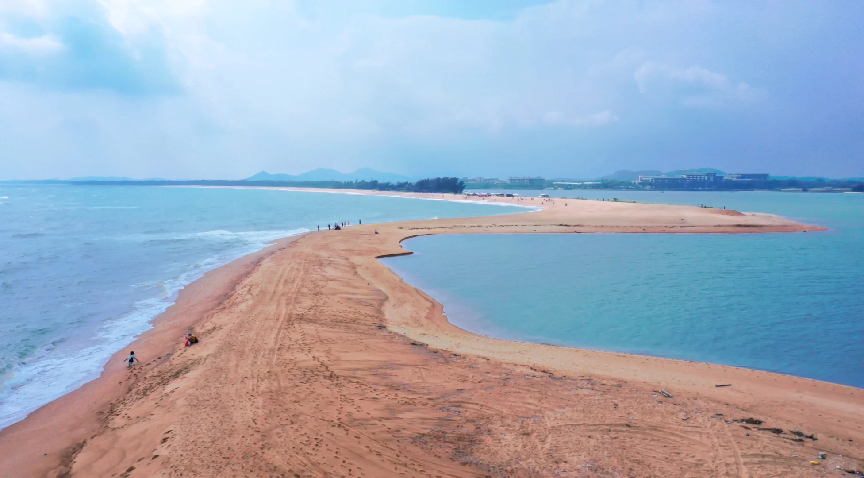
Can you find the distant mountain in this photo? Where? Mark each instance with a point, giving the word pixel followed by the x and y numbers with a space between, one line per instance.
pixel 265 176
pixel 627 175
pixel 696 171
pixel 324 174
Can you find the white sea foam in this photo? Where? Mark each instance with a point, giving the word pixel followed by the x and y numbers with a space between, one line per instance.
pixel 52 375
pixel 253 238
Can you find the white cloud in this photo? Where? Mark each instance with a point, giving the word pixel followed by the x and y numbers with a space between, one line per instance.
pixel 650 71
pixel 132 17
pixel 31 8
pixel 42 45
pixel 695 85
pixel 337 83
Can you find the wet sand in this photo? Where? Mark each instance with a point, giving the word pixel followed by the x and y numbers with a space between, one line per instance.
pixel 317 360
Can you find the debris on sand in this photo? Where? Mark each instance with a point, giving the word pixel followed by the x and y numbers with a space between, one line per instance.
pixel 803 435
pixel 749 421
pixel 851 471
pixel 776 431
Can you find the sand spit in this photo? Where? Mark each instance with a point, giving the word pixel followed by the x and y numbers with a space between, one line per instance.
pixel 317 360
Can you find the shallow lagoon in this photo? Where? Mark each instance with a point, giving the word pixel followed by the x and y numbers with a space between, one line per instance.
pixel 790 303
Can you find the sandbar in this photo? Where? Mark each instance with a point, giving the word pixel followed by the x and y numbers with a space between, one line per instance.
pixel 317 360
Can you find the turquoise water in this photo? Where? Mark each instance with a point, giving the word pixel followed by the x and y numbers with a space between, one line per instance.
pixel 83 269
pixel 790 303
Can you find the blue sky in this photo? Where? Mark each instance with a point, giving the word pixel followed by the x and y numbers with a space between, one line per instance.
pixel 223 89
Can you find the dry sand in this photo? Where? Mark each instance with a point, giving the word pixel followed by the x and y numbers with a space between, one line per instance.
pixel 317 360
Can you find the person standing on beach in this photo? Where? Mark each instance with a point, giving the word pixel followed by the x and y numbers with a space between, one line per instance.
pixel 131 359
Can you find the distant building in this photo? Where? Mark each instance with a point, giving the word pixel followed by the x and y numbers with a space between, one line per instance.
pixel 703 177
pixel 747 177
pixel 663 180
pixel 482 180
pixel 533 182
pixel 696 181
pixel 580 185
pixel 688 179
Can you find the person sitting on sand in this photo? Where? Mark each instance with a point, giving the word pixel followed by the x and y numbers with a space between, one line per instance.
pixel 131 359
pixel 191 339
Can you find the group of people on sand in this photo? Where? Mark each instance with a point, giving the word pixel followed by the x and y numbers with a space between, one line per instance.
pixel 337 226
pixel 131 359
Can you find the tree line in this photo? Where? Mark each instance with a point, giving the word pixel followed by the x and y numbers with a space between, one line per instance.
pixel 428 185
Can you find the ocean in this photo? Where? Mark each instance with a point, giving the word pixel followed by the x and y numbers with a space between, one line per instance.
pixel 84 269
pixel 788 303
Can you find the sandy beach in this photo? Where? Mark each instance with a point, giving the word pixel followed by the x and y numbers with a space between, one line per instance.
pixel 317 360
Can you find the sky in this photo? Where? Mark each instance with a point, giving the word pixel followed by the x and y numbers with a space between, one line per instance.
pixel 222 89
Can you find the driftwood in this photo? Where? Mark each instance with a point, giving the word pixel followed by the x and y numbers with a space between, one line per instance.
pixel 776 431
pixel 749 421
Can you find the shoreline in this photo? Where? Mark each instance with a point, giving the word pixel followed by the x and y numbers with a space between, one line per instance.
pixel 147 325
pixel 392 309
pixel 80 410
